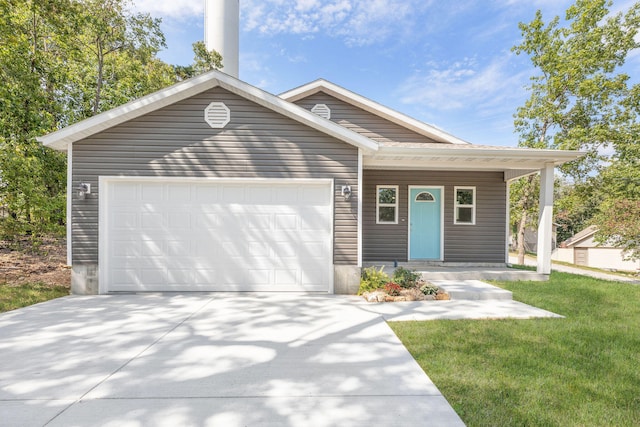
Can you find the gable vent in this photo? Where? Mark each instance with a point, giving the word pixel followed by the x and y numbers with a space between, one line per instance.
pixel 322 110
pixel 217 115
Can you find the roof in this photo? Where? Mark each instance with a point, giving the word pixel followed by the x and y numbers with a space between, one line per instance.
pixel 580 237
pixel 373 107
pixel 448 153
pixel 515 162
pixel 60 139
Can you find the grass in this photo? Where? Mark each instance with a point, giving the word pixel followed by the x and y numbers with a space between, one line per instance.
pixel 583 370
pixel 18 296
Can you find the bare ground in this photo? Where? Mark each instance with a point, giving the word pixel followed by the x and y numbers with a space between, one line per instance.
pixel 23 263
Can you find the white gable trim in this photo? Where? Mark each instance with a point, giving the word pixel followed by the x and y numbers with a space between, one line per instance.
pixel 191 87
pixel 373 107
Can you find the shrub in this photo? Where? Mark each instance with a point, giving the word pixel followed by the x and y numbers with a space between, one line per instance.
pixel 429 289
pixel 405 278
pixel 393 289
pixel 372 279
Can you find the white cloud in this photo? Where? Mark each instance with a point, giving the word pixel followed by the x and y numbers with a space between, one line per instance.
pixel 177 9
pixel 358 22
pixel 464 84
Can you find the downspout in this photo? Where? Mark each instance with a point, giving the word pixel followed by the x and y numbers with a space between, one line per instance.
pixel 359 218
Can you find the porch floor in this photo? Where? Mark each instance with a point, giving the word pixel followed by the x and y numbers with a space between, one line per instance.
pixel 452 272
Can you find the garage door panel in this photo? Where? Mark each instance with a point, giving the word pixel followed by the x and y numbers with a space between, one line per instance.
pixel 313 196
pixel 206 195
pixel 179 220
pixel 151 192
pixel 205 276
pixel 151 221
pixel 218 236
pixel 179 193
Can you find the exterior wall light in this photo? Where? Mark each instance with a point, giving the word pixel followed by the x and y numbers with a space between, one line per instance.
pixel 83 189
pixel 346 192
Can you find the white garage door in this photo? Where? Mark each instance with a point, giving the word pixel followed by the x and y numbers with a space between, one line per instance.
pixel 203 235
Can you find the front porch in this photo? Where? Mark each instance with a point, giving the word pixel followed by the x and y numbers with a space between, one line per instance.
pixel 462 271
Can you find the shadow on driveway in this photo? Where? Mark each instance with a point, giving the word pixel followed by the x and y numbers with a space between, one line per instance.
pixel 210 359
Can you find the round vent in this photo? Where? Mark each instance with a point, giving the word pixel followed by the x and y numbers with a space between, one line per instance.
pixel 217 115
pixel 322 110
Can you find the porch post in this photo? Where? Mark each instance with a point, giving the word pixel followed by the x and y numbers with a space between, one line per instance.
pixel 545 224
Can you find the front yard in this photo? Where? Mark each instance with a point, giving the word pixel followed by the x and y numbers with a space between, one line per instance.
pixel 29 275
pixel 578 371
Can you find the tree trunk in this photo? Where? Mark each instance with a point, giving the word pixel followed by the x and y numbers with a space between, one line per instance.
pixel 525 205
pixel 99 80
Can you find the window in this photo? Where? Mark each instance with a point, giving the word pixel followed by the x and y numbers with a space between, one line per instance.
pixel 465 205
pixel 387 204
pixel 425 196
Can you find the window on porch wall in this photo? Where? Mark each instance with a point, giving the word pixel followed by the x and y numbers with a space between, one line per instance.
pixel 465 205
pixel 387 204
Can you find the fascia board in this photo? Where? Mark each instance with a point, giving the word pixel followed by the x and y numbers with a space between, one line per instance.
pixel 372 107
pixel 556 157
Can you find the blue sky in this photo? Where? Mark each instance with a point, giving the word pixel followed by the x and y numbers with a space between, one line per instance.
pixel 446 63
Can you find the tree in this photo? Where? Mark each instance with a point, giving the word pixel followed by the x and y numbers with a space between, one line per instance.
pixel 203 60
pixel 578 99
pixel 62 61
pixel 575 206
pixel 115 58
pixel 524 209
pixel 32 66
pixel 619 225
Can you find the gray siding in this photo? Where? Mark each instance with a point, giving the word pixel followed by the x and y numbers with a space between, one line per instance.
pixel 176 142
pixel 482 242
pixel 361 121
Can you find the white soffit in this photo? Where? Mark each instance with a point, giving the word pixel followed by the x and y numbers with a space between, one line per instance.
pixel 373 107
pixel 522 161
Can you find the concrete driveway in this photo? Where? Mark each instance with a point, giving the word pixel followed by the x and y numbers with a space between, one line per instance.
pixel 210 359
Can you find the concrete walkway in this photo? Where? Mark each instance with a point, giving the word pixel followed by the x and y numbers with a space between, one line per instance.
pixel 211 360
pixel 530 261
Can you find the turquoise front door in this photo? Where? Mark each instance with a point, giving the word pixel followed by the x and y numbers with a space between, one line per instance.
pixel 425 223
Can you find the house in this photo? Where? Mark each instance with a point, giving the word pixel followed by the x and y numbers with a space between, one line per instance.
pixel 582 249
pixel 215 185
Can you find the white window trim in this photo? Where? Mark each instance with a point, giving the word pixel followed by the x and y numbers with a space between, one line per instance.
pixel 456 206
pixel 387 205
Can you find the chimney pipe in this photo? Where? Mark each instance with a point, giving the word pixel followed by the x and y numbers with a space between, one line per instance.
pixel 222 32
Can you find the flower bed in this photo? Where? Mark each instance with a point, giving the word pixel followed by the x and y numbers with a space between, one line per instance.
pixel 405 285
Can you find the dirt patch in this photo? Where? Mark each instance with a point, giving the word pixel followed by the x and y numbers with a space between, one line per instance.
pixel 23 263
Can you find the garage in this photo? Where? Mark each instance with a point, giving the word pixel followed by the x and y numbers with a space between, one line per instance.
pixel 161 234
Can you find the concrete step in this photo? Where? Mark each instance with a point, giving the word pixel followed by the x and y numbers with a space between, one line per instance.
pixel 472 290
pixel 499 274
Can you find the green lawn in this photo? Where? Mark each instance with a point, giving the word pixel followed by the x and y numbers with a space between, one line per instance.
pixel 12 297
pixel 580 371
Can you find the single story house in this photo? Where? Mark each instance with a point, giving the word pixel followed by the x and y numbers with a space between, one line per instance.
pixel 213 184
pixel 582 249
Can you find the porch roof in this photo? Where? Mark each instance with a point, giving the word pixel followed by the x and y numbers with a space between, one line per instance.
pixel 514 162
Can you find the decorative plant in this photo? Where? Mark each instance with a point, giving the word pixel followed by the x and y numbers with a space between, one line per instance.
pixel 429 289
pixel 406 278
pixel 393 289
pixel 372 279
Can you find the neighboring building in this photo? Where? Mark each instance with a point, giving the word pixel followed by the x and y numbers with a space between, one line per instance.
pixel 582 249
pixel 213 184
